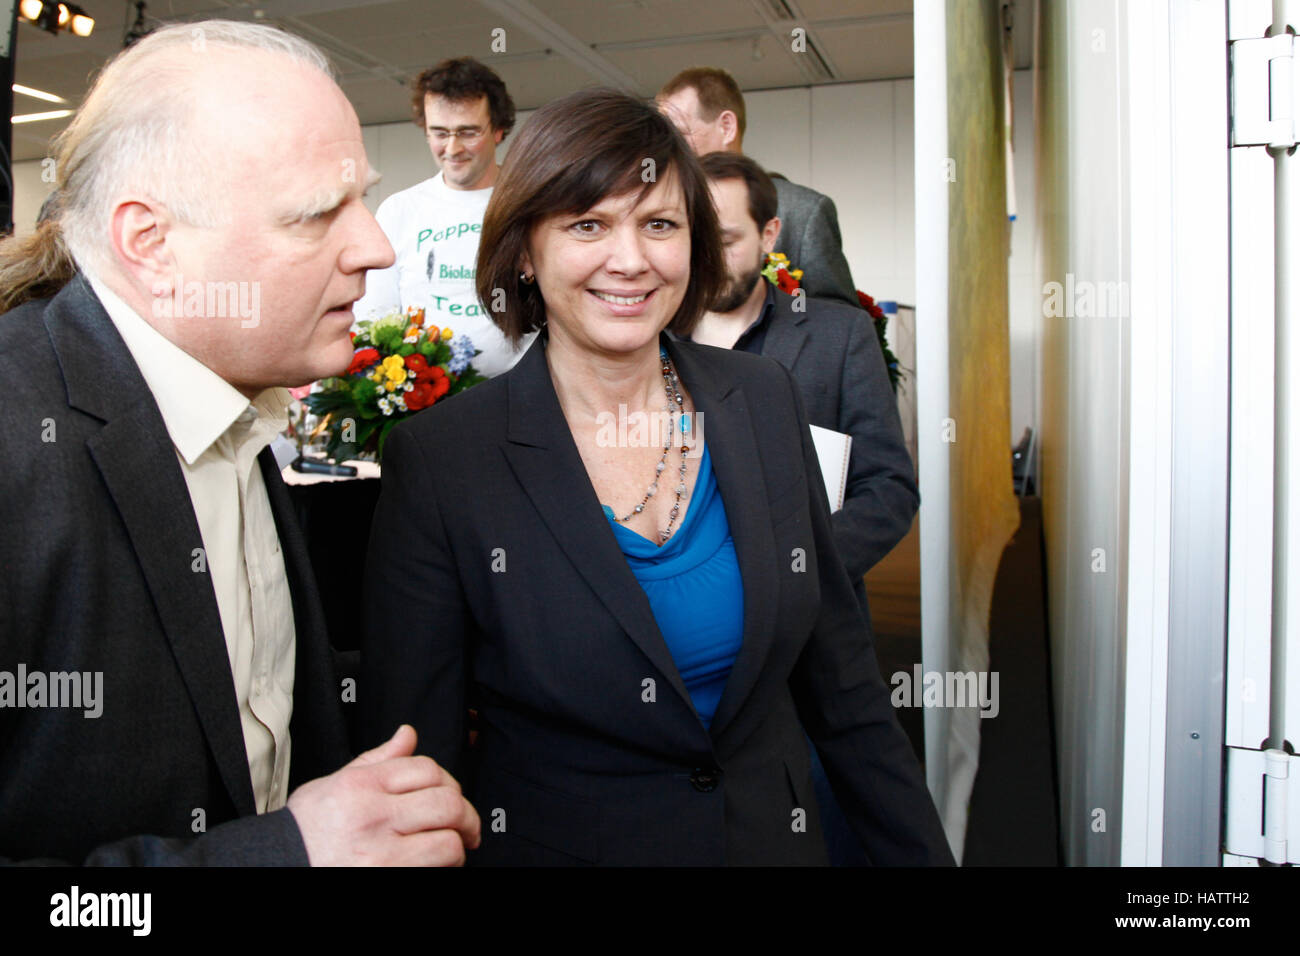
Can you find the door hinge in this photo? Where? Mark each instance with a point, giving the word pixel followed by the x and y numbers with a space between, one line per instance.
pixel 1262 806
pixel 1264 92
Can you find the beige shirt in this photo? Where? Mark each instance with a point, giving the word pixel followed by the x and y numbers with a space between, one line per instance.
pixel 217 434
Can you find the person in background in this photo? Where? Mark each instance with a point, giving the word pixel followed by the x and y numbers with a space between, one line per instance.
pixel 832 352
pixel 706 105
pixel 167 691
pixel 647 622
pixel 465 111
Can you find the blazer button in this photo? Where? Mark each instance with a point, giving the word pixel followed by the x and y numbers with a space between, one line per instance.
pixel 705 780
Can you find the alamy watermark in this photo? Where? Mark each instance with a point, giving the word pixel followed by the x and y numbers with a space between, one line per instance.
pixel 651 430
pixel 209 300
pixel 1084 299
pixel 946 689
pixel 83 690
pixel 130 910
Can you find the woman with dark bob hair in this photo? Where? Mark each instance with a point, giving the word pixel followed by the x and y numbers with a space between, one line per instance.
pixel 618 554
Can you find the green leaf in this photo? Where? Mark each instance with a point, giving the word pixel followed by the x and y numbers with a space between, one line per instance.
pixel 383 437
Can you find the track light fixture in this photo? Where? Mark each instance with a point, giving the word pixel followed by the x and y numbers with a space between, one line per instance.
pixel 53 17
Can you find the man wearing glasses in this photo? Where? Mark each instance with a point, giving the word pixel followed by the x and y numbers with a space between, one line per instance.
pixel 465 111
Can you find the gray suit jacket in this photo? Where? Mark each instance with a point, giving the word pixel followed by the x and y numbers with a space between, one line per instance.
pixel 834 355
pixel 810 239
pixel 98 575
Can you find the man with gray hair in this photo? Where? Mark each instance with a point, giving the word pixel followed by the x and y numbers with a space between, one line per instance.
pixel 210 242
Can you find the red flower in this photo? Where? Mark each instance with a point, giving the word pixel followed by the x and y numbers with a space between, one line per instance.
pixel 420 396
pixel 363 359
pixel 786 282
pixel 431 383
pixel 868 303
pixel 424 372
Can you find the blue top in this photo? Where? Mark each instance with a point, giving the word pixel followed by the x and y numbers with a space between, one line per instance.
pixel 695 590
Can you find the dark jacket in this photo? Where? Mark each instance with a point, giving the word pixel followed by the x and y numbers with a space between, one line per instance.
pixel 495 581
pixel 810 239
pixel 835 358
pixel 98 574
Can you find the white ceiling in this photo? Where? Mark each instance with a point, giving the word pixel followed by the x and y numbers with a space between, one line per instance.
pixel 552 47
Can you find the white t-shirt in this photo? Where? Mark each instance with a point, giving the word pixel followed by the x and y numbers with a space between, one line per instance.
pixel 435 231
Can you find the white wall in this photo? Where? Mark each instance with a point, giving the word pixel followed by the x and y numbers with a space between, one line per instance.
pixel 864 165
pixel 29 192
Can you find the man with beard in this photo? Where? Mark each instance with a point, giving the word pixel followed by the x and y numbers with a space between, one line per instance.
pixel 831 350
pixel 707 107
pixel 833 355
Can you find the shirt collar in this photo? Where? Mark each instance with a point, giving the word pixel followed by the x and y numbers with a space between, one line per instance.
pixel 197 405
pixel 764 315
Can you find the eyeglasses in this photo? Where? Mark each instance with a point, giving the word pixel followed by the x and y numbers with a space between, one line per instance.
pixel 469 135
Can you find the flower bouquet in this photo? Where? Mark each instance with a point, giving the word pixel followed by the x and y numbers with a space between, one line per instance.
pixel 400 367
pixel 778 272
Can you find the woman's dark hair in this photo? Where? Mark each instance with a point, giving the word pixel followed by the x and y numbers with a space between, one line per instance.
pixel 464 79
pixel 568 156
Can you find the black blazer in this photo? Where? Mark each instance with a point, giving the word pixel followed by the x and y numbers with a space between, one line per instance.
pixel 494 581
pixel 97 573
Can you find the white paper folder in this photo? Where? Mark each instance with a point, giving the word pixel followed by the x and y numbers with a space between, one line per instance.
pixel 833 455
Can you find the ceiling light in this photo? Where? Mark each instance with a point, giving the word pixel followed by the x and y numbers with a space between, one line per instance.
pixel 53 17
pixel 38 94
pixel 37 117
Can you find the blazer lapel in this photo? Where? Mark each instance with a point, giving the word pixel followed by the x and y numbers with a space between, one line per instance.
pixel 543 456
pixel 735 454
pixel 137 460
pixel 785 333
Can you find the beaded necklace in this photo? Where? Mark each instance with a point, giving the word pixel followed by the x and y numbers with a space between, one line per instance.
pixel 673 407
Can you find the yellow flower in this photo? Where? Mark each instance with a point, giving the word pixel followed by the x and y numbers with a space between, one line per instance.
pixel 390 385
pixel 394 369
pixel 447 334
